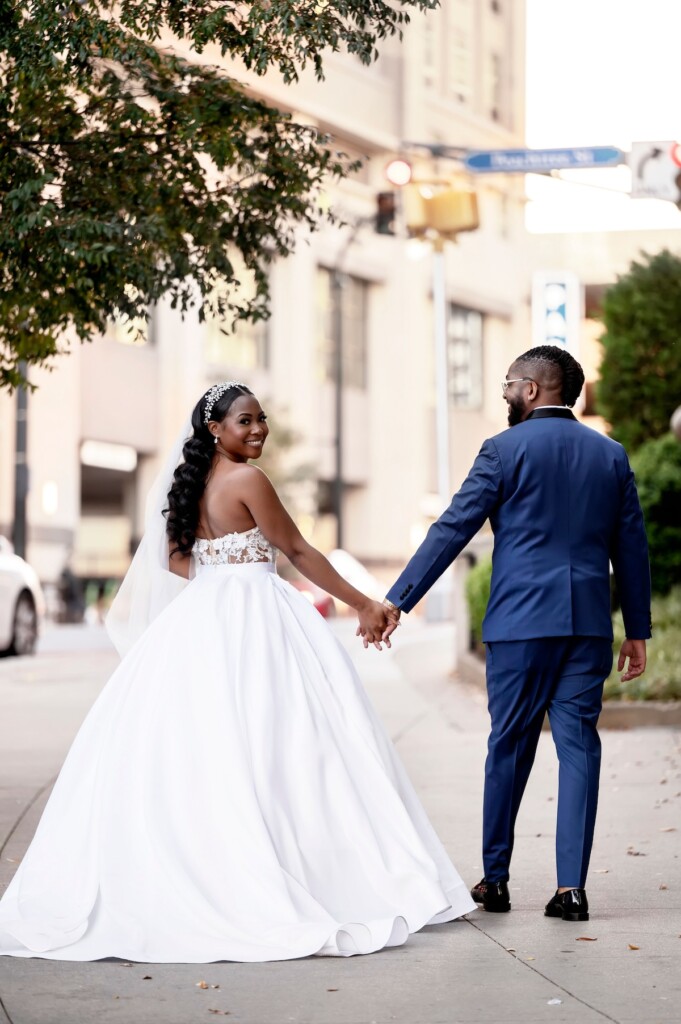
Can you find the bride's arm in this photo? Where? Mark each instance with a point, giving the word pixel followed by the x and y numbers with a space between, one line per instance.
pixel 262 501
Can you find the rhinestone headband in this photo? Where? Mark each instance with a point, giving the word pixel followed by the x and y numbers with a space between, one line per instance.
pixel 216 392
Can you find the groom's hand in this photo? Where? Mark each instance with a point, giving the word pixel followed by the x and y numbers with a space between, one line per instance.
pixel 393 618
pixel 635 651
pixel 374 625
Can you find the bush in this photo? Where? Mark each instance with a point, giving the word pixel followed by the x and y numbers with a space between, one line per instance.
pixel 640 383
pixel 657 465
pixel 477 595
pixel 662 677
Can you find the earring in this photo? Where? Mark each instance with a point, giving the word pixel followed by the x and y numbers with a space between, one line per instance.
pixel 215 440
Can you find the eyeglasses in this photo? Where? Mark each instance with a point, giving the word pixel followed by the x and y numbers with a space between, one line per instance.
pixel 516 380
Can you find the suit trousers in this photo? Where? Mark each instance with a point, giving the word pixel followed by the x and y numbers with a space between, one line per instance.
pixel 561 676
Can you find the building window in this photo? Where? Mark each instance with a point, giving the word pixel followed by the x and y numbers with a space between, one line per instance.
pixel 494 86
pixel 459 64
pixel 354 301
pixel 243 345
pixel 464 356
pixel 430 48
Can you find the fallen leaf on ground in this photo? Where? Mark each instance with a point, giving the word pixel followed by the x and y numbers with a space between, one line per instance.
pixel 663 886
pixel 530 958
pixel 147 977
pixel 221 1013
pixel 332 990
pixel 215 986
pixel 201 984
pixel 632 946
pixel 510 949
pixel 601 871
pixel 586 938
pixel 670 828
pixel 554 1002
pixel 635 853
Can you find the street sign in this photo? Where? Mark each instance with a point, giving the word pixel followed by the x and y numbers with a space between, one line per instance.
pixel 656 170
pixel 557 309
pixel 537 161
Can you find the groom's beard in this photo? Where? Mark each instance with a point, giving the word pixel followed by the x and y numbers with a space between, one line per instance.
pixel 516 411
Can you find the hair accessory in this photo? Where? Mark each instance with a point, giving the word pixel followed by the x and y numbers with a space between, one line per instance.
pixel 216 392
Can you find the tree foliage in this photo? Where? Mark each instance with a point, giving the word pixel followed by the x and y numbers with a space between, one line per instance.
pixel 128 172
pixel 640 383
pixel 657 467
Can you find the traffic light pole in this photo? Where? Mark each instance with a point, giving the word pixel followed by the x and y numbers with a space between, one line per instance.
pixel 337 283
pixel 441 371
pixel 337 329
pixel 20 468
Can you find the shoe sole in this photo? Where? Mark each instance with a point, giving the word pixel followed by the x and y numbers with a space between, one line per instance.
pixel 490 910
pixel 566 917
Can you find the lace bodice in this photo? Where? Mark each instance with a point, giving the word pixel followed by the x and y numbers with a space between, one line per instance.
pixel 248 546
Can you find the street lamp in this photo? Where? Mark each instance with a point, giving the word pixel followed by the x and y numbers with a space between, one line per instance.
pixel 398 172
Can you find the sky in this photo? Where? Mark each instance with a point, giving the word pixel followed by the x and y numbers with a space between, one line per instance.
pixel 600 73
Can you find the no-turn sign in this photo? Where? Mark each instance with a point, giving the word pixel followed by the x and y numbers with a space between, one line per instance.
pixel 656 170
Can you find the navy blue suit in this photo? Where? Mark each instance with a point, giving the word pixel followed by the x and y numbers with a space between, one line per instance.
pixel 562 503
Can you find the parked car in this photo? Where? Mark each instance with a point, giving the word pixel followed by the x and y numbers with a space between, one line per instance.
pixel 22 603
pixel 318 598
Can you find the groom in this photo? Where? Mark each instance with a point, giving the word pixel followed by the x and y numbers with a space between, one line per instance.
pixel 563 506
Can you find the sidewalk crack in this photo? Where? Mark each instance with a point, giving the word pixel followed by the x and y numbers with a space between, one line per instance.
pixel 4 1010
pixel 556 984
pixel 36 796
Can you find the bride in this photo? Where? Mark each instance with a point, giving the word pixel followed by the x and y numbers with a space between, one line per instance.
pixel 231 794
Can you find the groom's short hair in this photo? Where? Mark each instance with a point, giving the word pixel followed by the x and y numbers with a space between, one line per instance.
pixel 557 368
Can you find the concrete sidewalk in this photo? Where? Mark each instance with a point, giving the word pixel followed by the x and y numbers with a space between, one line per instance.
pixel 491 968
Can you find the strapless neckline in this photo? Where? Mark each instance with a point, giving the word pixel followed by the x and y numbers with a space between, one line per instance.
pixel 224 536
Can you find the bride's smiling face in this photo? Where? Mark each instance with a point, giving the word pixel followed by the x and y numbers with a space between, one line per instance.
pixel 242 433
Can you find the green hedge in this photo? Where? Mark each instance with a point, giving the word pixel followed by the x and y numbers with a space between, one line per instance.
pixel 662 678
pixel 477 596
pixel 657 466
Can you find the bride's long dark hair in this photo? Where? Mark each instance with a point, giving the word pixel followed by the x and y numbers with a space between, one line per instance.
pixel 190 477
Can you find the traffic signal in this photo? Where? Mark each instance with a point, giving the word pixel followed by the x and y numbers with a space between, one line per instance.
pixel 385 213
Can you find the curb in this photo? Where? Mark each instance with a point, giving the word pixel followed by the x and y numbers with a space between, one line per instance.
pixel 616 714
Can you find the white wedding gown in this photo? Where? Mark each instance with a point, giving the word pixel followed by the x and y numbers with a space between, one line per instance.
pixel 231 795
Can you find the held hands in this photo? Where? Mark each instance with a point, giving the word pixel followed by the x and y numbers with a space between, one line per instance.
pixel 635 651
pixel 376 623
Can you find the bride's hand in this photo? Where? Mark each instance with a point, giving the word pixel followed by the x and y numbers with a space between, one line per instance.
pixel 375 624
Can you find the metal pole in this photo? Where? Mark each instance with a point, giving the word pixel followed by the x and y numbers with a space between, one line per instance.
pixel 337 330
pixel 20 468
pixel 441 372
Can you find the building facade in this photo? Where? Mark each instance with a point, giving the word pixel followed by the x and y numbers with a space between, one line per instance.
pixel 101 418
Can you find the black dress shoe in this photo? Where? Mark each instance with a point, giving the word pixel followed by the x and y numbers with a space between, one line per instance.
pixel 571 906
pixel 492 895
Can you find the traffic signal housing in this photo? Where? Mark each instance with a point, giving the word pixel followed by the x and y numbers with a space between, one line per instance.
pixel 385 213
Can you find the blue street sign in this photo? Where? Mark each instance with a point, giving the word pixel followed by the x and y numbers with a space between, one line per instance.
pixel 529 161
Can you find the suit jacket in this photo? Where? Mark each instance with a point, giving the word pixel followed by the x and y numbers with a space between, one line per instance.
pixel 562 503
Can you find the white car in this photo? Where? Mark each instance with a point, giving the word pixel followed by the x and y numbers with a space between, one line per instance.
pixel 22 604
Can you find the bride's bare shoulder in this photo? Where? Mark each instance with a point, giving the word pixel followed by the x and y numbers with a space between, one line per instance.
pixel 244 475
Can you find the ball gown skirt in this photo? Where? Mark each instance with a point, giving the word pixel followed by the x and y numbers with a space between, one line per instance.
pixel 231 795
